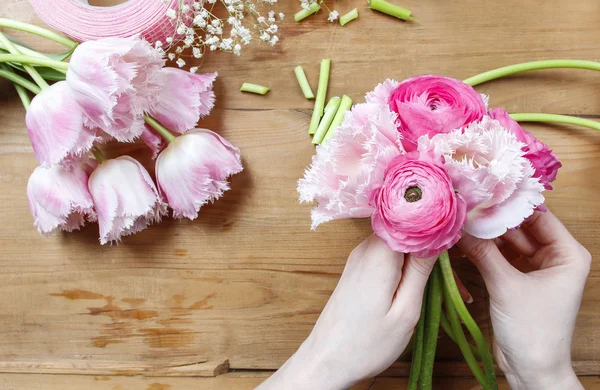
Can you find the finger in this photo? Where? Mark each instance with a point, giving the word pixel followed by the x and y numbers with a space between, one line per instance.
pixel 379 267
pixel 547 229
pixel 464 293
pixel 521 241
pixel 410 290
pixel 486 256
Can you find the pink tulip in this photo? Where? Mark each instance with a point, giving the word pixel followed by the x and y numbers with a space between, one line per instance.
pixel 416 208
pixel 184 99
pixel 126 198
pixel 115 80
pixel 543 159
pixel 348 166
pixel 59 198
pixel 55 126
pixel 155 142
pixel 489 169
pixel 430 105
pixel 193 170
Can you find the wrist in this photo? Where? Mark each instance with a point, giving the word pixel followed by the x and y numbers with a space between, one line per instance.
pixel 564 379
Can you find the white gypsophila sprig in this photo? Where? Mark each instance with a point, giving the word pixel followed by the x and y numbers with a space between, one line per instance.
pixel 198 29
pixel 332 15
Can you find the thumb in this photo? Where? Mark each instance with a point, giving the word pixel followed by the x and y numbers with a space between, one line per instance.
pixel 488 259
pixel 415 274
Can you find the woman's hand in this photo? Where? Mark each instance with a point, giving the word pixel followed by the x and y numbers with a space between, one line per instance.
pixel 366 324
pixel 535 277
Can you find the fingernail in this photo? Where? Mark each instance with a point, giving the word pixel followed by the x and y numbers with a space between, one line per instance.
pixel 470 299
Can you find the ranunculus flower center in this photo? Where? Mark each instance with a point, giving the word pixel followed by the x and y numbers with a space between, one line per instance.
pixel 413 194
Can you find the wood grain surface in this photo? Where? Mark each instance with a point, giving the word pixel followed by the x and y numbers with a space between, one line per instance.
pixel 241 287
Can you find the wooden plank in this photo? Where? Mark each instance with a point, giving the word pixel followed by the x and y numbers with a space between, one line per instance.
pixel 246 281
pixel 233 381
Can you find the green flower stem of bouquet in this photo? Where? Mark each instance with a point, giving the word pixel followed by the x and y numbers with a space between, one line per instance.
pixel 415 366
pixel 445 323
pixel 567 119
pixel 391 9
pixel 348 17
pixel 98 155
pixel 160 129
pixel 330 111
pixel 527 66
pixel 30 69
pixel 321 95
pixel 459 306
pixel 30 60
pixel 432 327
pixel 462 342
pixel 304 85
pixel 345 105
pixel 20 81
pixel 42 32
pixel 305 13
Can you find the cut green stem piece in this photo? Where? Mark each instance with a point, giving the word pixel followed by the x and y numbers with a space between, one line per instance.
pixel 415 366
pixel 160 129
pixel 29 60
pixel 321 95
pixel 301 76
pixel 432 328
pixel 554 118
pixel 32 72
pixel 345 105
pixel 461 340
pixel 305 13
pixel 528 66
pixel 350 16
pixel 391 9
pixel 463 313
pixel 254 88
pixel 98 155
pixel 19 80
pixel 330 111
pixel 42 32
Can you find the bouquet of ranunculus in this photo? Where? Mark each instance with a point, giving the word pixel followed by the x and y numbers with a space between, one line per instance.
pixel 115 89
pixel 428 161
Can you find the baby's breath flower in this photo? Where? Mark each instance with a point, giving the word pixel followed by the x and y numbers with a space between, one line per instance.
pixel 193 69
pixel 333 16
pixel 197 27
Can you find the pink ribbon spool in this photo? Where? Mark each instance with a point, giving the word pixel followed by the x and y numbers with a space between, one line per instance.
pixel 83 22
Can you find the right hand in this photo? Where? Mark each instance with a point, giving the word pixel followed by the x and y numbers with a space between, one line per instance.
pixel 535 281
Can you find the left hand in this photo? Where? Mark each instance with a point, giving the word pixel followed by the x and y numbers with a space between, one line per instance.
pixel 366 324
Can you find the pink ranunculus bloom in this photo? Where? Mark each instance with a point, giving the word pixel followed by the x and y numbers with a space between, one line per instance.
pixel 543 159
pixel 184 98
pixel 193 170
pixel 58 196
pixel 416 208
pixel 115 80
pixel 155 142
pixel 348 166
pixel 55 124
pixel 430 105
pixel 126 198
pixel 489 169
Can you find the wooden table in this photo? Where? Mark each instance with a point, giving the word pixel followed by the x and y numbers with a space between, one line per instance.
pixel 236 291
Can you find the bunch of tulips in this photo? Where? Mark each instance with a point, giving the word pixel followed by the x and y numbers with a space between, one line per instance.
pixel 116 89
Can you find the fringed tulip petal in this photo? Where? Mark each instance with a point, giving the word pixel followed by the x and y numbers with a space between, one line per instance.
pixel 193 170
pixel 154 141
pixel 184 99
pixel 59 198
pixel 115 80
pixel 55 126
pixel 126 198
pixel 351 164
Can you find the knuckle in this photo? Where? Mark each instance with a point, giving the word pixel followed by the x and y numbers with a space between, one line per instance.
pixel 479 250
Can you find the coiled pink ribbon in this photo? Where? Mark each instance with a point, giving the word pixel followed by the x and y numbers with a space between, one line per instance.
pixel 83 22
